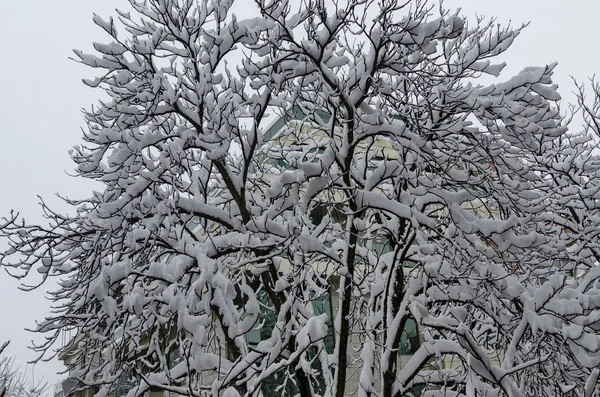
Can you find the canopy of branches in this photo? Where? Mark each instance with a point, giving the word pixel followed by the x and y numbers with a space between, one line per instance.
pixel 325 200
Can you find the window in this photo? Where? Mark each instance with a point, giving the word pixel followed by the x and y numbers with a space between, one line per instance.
pixel 314 154
pixel 317 214
pixel 282 382
pixel 267 320
pixel 265 323
pixel 281 163
pixel 375 162
pixel 335 212
pixel 409 341
pixel 125 383
pixel 415 391
pixel 381 245
pixel 409 264
pixel 193 223
pixel 569 270
pixel 174 356
pixel 322 305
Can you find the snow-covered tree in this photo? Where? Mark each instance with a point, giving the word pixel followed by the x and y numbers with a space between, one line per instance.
pixel 14 382
pixel 254 169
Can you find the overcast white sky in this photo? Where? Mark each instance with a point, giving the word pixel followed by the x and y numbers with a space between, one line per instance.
pixel 42 96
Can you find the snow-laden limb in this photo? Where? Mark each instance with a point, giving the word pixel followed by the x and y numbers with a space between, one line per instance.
pixel 285 196
pixel 14 382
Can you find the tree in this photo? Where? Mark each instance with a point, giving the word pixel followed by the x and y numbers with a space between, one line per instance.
pixel 14 383
pixel 391 182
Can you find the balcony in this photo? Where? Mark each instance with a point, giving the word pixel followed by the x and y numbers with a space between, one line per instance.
pixel 65 388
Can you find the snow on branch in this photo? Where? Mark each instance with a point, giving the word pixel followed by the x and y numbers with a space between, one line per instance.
pixel 321 198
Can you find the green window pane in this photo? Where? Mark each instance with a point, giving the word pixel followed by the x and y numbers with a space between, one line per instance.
pixel 253 336
pixel 317 214
pixel 265 322
pixel 283 382
pixel 409 341
pixel 279 384
pixel 415 391
pixel 274 129
pixel 174 357
pixel 125 383
pixel 267 318
pixel 381 246
pixel 322 305
pixel 319 151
